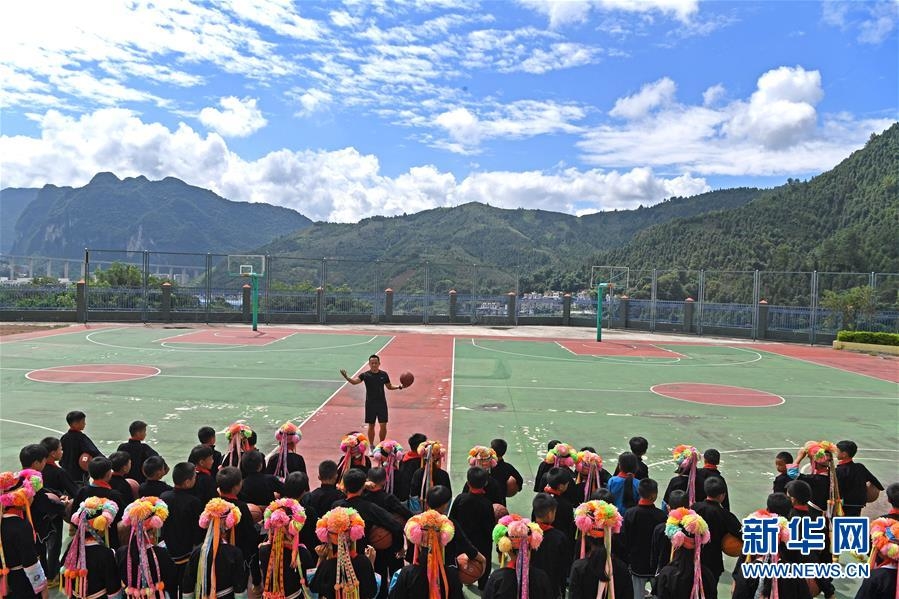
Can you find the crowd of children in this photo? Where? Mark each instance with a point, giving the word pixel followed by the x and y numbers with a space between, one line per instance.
pixel 384 523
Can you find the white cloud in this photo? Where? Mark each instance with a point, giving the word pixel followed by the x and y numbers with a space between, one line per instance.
pixel 312 101
pixel 238 117
pixel 341 185
pixel 650 96
pixel 776 131
pixel 872 21
pixel 566 12
pixel 711 95
pixel 559 56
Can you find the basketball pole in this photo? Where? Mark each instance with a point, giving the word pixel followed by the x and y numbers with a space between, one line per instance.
pixel 599 291
pixel 254 278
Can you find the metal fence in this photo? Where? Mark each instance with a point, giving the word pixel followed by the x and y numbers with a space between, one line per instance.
pixel 796 305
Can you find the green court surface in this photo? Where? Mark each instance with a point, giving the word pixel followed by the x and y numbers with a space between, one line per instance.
pixel 524 390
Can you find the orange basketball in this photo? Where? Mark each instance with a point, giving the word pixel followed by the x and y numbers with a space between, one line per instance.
pixel 406 379
pixel 380 538
pixel 872 493
pixel 512 487
pixel 813 587
pixel 731 545
pixel 473 570
pixel 257 511
pixel 499 510
pixel 83 460
pixel 135 487
pixel 124 533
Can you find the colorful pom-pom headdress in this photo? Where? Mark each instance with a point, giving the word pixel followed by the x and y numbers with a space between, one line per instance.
pixel 388 454
pixel 433 530
pixel 352 446
pixel 343 526
pixel 238 435
pixel 599 519
pixel 687 529
pixel 783 536
pixel 514 535
pixel 687 458
pixel 562 455
pixel 431 454
pixel 483 457
pixel 218 516
pixel 16 492
pixel 144 516
pixel 93 517
pixel 589 466
pixel 885 545
pixel 288 435
pixel 283 519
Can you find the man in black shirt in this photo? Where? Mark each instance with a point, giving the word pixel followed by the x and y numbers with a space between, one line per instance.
pixel 375 380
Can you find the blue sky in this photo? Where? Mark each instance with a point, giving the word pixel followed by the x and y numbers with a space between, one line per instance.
pixel 343 110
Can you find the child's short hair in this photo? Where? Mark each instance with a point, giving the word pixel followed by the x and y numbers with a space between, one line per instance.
pixel 119 459
pixel 786 456
pixel 31 454
pixel 477 477
pixel 296 484
pixel 416 440
pixel 602 494
pixel 200 453
pixel 639 445
pixel 438 496
pixel 227 478
pixel 712 456
pixel 153 466
pixel 678 499
pixel 99 467
pixel 849 447
pixel 556 477
pixel 893 494
pixel 327 470
pixel 138 426
pixel 377 475
pixel 354 480
pixel 51 444
pixel 799 490
pixel 252 439
pixel 628 462
pixel 780 504
pixel 183 472
pixel 251 462
pixel 589 448
pixel 543 504
pixel 647 488
pixel 714 486
pixel 552 444
pixel 500 447
pixel 75 416
pixel 205 434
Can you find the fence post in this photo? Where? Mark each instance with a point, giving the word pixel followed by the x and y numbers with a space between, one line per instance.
pixel 166 307
pixel 81 302
pixel 320 304
pixel 566 310
pixel 813 317
pixel 689 306
pixel 208 285
pixel 426 316
pixel 622 310
pixel 247 303
pixel 85 277
pixel 510 307
pixel 653 298
pixel 388 304
pixel 701 293
pixel 452 306
pixel 762 322
pixel 756 303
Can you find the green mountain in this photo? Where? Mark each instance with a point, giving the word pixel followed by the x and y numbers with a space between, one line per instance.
pixel 12 202
pixel 506 243
pixel 138 214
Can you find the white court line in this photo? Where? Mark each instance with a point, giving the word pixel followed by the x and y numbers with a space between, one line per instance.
pixel 202 376
pixel 52 430
pixel 190 332
pixel 449 442
pixel 330 397
pixel 89 337
pixel 870 376
pixel 702 403
pixel 92 372
pixel 612 358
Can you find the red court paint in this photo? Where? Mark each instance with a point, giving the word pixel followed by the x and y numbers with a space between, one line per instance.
pixel 53 332
pixel 718 395
pixel 634 349
pixel 885 369
pixel 231 336
pixel 422 408
pixel 92 373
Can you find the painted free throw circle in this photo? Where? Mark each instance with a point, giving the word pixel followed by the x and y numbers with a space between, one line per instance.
pixel 92 373
pixel 718 395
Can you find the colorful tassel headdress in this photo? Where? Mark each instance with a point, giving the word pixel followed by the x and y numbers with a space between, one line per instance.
pixel 588 466
pixel 287 436
pixel 562 455
pixel 687 458
pixel 93 517
pixel 283 519
pixel 353 446
pixel 483 457
pixel 237 435
pixel 431 454
pixel 343 526
pixel 516 535
pixel 16 492
pixel 822 454
pixel 687 529
pixel 388 454
pixel 144 516
pixel 433 530
pixel 885 545
pixel 599 519
pixel 783 536
pixel 218 516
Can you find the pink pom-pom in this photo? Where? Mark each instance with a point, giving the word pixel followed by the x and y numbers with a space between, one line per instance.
pixel 678 539
pixel 415 535
pixel 583 522
pixel 322 533
pixel 357 532
pixel 445 537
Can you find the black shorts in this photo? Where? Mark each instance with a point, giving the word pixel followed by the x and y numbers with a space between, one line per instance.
pixel 375 411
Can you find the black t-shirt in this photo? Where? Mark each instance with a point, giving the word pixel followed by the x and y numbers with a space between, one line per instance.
pixel 374 385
